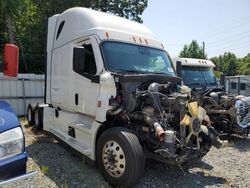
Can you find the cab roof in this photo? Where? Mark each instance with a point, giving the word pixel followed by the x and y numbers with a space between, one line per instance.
pixel 195 62
pixel 78 22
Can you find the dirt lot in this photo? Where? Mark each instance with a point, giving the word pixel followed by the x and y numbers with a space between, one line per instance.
pixel 59 167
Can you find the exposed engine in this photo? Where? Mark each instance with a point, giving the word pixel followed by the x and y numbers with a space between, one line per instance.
pixel 228 114
pixel 171 126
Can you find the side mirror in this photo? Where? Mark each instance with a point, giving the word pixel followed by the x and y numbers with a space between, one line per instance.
pixel 222 79
pixel 11 60
pixel 178 68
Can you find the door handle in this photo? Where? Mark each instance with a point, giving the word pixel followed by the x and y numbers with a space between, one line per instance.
pixel 76 99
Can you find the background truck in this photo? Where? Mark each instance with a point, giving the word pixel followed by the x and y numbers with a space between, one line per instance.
pixel 112 94
pixel 229 114
pixel 13 156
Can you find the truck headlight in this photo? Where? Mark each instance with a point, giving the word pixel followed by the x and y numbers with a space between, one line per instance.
pixel 11 143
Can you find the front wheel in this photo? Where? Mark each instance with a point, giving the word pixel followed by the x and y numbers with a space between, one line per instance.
pixel 120 157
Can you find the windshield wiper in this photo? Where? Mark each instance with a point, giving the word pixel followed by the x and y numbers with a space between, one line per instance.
pixel 128 71
pixel 139 72
pixel 160 73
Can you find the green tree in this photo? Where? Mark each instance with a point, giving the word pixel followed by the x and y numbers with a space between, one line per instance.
pixel 11 11
pixel 130 9
pixel 230 64
pixel 226 63
pixel 244 65
pixel 218 62
pixel 193 50
pixel 29 18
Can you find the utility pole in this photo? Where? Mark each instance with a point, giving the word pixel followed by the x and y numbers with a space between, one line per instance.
pixel 203 48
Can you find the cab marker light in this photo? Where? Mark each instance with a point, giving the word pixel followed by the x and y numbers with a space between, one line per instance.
pixel 99 104
pixel 134 39
pixel 107 34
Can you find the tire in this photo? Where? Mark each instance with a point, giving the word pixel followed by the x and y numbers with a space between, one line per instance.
pixel 38 117
pixel 30 114
pixel 120 157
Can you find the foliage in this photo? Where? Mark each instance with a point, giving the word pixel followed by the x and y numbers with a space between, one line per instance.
pixel 45 169
pixel 244 65
pixel 226 63
pixel 193 50
pixel 128 9
pixel 28 20
pixel 230 63
pixel 217 74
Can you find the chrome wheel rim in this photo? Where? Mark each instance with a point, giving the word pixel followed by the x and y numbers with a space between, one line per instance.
pixel 113 158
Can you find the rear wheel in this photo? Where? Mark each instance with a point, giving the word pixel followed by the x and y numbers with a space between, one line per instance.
pixel 30 114
pixel 120 157
pixel 38 117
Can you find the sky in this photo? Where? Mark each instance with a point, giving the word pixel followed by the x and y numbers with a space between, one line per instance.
pixel 224 25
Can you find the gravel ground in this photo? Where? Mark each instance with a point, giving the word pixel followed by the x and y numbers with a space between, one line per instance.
pixel 59 167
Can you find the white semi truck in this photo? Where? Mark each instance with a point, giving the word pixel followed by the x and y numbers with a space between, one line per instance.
pixel 229 114
pixel 112 94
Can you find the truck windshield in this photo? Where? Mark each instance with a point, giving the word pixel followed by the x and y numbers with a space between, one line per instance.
pixel 131 58
pixel 198 76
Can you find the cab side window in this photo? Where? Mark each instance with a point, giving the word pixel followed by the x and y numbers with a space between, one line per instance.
pixel 84 61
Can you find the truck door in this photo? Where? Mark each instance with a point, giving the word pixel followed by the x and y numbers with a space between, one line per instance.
pixel 86 82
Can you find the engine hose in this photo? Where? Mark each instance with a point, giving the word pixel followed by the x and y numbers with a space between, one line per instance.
pixel 211 100
pixel 143 116
pixel 140 115
pixel 116 111
pixel 137 116
pixel 213 135
pixel 159 131
pixel 218 111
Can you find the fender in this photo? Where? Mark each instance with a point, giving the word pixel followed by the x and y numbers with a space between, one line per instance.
pixel 8 118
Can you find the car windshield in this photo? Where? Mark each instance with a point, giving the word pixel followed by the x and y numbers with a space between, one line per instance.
pixel 201 76
pixel 131 58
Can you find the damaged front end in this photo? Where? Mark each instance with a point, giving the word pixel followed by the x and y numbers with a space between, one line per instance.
pixel 170 125
pixel 229 114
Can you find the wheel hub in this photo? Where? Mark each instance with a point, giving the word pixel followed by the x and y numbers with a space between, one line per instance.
pixel 113 158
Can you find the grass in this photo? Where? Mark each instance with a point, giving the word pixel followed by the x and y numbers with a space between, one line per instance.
pixel 45 169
